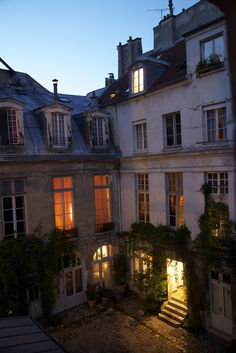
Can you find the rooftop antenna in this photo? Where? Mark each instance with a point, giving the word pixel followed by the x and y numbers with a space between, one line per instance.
pixel 160 10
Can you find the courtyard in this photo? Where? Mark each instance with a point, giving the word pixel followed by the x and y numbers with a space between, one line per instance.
pixel 125 327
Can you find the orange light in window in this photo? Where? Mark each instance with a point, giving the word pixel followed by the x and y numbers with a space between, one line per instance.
pixel 57 183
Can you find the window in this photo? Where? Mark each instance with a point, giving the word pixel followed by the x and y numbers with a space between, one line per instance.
pixel 213 49
pixel 172 129
pixel 102 266
pixel 100 132
pixel 102 203
pixel 142 187
pixel 216 124
pixel 73 278
pixel 58 130
pixel 11 131
pixel 13 201
pixel 175 199
pixel 138 80
pixel 218 183
pixel 63 202
pixel 141 262
pixel 140 136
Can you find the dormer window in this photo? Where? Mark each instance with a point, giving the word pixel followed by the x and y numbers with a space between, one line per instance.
pixel 212 49
pixel 98 130
pixel 58 130
pixel 11 123
pixel 137 80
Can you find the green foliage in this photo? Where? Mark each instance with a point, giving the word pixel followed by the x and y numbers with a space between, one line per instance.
pixel 120 268
pixel 27 261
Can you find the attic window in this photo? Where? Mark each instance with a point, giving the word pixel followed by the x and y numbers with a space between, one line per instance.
pixel 138 80
pixel 112 95
pixel 11 125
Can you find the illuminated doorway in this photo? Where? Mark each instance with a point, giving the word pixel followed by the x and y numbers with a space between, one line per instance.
pixel 102 266
pixel 175 279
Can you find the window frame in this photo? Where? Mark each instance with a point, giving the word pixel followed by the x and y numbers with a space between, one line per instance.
pixel 13 194
pixel 137 75
pixel 175 210
pixel 59 126
pixel 6 124
pixel 105 203
pixel 212 39
pixel 62 190
pixel 219 182
pixel 213 125
pixel 175 134
pixel 142 197
pixel 140 139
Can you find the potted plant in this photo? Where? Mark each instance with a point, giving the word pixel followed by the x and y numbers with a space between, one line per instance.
pixel 120 270
pixel 105 294
pixel 91 295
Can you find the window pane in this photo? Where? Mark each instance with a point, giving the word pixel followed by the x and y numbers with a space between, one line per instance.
pixel 9 229
pixel 69 283
pixel 78 280
pixel 57 184
pixel 19 201
pixel 227 303
pixel 216 307
pixel 7 203
pixel 20 228
pixel 67 182
pixel 19 186
pixel 6 188
pixel 211 125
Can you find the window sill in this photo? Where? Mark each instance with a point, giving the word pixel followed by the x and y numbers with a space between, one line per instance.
pixel 172 148
pixel 144 151
pixel 209 70
pixel 106 227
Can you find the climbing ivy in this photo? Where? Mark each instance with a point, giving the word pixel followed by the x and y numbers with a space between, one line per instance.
pixel 28 261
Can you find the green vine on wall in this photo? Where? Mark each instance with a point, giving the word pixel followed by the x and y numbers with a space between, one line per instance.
pixel 27 261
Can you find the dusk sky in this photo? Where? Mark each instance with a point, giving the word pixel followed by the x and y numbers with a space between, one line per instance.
pixel 75 40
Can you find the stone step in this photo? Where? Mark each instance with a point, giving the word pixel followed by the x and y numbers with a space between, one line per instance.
pixel 178 300
pixel 172 315
pixel 168 320
pixel 175 310
pixel 178 305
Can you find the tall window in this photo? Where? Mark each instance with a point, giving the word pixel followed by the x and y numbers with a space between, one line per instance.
pixel 73 279
pixel 213 48
pixel 140 136
pixel 58 129
pixel 218 182
pixel 138 80
pixel 98 126
pixel 172 129
pixel 9 127
pixel 13 201
pixel 175 199
pixel 142 187
pixel 63 202
pixel 216 124
pixel 102 203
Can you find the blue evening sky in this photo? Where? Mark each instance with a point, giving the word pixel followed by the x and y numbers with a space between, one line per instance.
pixel 75 40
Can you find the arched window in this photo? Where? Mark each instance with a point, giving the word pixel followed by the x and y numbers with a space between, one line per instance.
pixel 102 266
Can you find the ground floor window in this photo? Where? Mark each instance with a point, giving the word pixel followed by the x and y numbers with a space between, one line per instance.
pixel 73 279
pixel 102 266
pixel 141 262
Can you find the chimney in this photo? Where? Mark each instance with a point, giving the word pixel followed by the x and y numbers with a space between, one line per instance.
pixel 110 79
pixel 55 95
pixel 171 8
pixel 128 53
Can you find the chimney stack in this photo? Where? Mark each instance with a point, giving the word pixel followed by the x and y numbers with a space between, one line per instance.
pixel 55 95
pixel 110 79
pixel 128 53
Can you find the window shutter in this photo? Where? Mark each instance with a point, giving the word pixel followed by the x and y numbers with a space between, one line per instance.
pixel 3 127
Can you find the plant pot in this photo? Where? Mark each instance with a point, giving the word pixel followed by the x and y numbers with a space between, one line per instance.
pixel 92 303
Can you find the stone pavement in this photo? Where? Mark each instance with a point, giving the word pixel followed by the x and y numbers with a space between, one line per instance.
pixel 125 328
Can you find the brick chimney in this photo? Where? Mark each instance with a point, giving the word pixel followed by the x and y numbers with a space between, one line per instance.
pixel 128 53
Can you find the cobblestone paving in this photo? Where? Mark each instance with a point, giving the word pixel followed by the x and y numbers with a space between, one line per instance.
pixel 125 328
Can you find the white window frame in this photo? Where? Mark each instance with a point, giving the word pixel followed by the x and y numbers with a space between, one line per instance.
pixel 13 194
pixel 214 49
pixel 176 135
pixel 174 182
pixel 62 191
pixel 213 125
pixel 138 80
pixel 140 136
pixel 218 182
pixel 142 197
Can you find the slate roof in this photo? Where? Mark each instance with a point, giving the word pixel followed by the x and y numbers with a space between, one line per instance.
pixel 22 335
pixel 173 60
pixel 23 88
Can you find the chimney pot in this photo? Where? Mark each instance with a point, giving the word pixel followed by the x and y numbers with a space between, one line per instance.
pixel 55 95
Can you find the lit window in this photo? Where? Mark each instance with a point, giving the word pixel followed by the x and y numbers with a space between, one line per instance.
pixel 216 124
pixel 141 262
pixel 218 183
pixel 63 202
pixel 175 199
pixel 102 203
pixel 11 131
pixel 213 49
pixel 138 81
pixel 58 130
pixel 172 129
pixel 140 136
pixel 142 187
pixel 13 201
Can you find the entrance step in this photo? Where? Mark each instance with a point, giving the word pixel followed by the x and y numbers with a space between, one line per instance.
pixel 174 312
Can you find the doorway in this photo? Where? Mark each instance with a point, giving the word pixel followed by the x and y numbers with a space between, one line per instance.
pixel 175 279
pixel 102 266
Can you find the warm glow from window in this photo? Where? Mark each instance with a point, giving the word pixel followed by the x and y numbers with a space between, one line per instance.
pixel 102 200
pixel 63 202
pixel 138 79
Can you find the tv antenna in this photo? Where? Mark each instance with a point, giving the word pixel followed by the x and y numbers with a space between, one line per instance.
pixel 160 10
